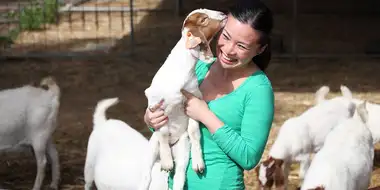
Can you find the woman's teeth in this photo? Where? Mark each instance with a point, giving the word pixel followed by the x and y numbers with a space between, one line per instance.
pixel 227 58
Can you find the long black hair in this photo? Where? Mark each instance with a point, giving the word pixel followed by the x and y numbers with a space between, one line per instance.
pixel 259 17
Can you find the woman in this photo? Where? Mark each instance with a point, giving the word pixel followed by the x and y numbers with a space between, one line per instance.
pixel 237 109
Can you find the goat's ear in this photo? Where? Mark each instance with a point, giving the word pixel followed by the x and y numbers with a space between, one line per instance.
pixel 192 41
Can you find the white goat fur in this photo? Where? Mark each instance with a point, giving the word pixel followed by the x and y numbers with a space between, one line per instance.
pixel 29 118
pixel 115 154
pixel 373 113
pixel 301 136
pixel 346 159
pixel 175 74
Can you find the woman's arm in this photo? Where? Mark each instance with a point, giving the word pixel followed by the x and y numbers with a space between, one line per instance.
pixel 247 147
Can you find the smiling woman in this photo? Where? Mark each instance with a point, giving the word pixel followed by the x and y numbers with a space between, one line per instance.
pixel 237 108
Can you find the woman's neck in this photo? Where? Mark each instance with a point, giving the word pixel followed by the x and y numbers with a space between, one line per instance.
pixel 235 73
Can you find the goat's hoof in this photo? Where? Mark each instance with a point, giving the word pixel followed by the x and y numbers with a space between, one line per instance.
pixel 198 165
pixel 166 166
pixel 53 187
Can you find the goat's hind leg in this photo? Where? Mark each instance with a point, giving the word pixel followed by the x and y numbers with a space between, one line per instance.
pixel 89 164
pixel 39 147
pixel 196 149
pixel 149 162
pixel 165 150
pixel 181 156
pixel 53 159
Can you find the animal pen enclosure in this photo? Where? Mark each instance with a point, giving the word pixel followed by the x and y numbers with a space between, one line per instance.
pixel 43 28
pixel 87 48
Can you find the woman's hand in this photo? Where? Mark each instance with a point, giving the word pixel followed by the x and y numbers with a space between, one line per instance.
pixel 155 117
pixel 194 107
pixel 198 110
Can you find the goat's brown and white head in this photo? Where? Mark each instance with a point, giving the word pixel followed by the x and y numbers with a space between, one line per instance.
pixel 269 173
pixel 199 28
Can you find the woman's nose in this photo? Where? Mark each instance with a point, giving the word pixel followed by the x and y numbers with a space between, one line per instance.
pixel 229 49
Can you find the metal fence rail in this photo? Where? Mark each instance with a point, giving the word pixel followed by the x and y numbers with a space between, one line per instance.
pixel 81 28
pixel 86 28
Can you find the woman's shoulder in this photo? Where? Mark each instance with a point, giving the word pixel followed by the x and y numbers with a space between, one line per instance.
pixel 259 79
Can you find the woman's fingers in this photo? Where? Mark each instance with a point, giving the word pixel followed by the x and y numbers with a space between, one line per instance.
pixel 157 120
pixel 160 124
pixel 155 107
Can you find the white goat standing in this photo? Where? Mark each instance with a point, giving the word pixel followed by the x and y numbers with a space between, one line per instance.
pixel 175 74
pixel 115 154
pixel 301 136
pixel 29 117
pixel 346 159
pixel 373 112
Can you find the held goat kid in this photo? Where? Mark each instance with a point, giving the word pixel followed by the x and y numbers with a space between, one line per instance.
pixel 177 73
pixel 345 161
pixel 29 118
pixel 115 154
pixel 301 136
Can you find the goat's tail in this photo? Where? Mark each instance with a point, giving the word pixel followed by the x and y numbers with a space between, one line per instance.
pixel 346 92
pixel 99 116
pixel 49 83
pixel 362 111
pixel 321 94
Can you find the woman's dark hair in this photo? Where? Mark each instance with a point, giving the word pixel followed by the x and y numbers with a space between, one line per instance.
pixel 259 17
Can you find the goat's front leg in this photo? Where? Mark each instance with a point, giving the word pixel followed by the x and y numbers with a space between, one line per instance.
pixel 196 149
pixel 181 154
pixel 304 166
pixel 287 165
pixel 165 151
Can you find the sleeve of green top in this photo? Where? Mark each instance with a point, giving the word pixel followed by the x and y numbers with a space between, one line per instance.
pixel 247 147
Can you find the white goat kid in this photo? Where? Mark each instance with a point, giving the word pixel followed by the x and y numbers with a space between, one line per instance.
pixel 346 159
pixel 177 73
pixel 115 154
pixel 373 119
pixel 29 118
pixel 301 136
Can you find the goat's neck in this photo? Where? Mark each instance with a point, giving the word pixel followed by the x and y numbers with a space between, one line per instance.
pixel 182 58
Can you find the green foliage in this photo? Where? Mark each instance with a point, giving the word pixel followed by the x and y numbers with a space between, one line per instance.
pixel 34 16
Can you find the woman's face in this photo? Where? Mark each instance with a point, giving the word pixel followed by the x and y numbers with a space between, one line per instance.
pixel 237 44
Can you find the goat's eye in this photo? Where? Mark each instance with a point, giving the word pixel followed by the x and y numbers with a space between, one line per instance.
pixel 204 19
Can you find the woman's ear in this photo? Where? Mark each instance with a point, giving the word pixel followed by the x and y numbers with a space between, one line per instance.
pixel 261 49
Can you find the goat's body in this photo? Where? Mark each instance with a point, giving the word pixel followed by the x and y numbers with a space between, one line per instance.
pixel 301 136
pixel 175 74
pixel 115 155
pixel 29 117
pixel 172 141
pixel 345 161
pixel 373 120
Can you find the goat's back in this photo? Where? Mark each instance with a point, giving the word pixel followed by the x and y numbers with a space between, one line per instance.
pixel 23 111
pixel 345 161
pixel 120 152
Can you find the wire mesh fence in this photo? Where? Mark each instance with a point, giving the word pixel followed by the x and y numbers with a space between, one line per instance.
pixel 91 27
pixel 77 27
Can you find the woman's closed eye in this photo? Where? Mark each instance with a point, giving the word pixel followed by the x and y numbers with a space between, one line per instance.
pixel 243 47
pixel 226 37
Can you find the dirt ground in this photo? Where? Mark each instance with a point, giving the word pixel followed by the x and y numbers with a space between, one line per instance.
pixel 84 81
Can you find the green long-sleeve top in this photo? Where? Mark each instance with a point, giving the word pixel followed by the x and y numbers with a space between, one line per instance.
pixel 238 145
